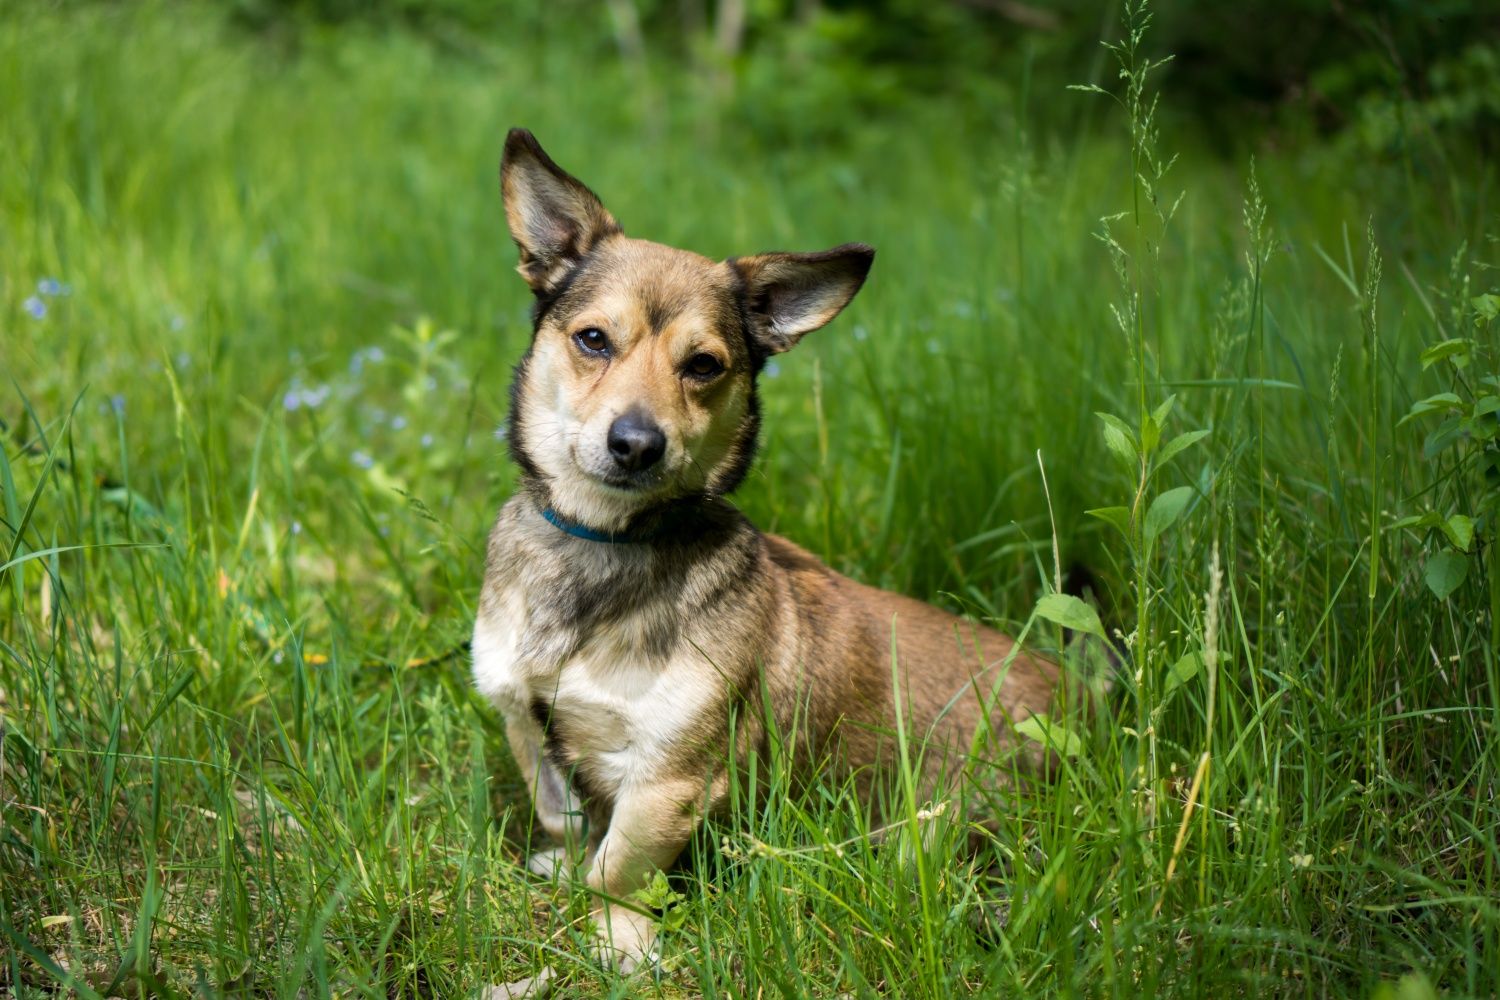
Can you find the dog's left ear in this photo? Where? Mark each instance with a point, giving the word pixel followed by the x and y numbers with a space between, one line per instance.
pixel 554 219
pixel 788 295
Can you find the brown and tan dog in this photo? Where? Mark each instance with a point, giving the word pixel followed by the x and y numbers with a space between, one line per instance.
pixel 629 612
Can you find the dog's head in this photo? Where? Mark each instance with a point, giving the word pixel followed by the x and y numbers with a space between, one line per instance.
pixel 639 386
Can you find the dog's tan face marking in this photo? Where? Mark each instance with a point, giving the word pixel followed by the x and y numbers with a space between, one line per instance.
pixel 653 333
pixel 639 387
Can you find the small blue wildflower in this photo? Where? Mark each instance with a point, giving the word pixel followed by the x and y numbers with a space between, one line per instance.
pixel 371 355
pixel 398 422
pixel 362 459
pixel 426 440
pixel 298 397
pixel 276 657
pixel 772 369
pixel 35 308
pixel 296 527
pixel 860 333
pixel 502 432
pixel 431 383
pixel 183 359
pixel 177 323
pixel 385 532
pixel 933 347
pixel 117 403
pixel 50 286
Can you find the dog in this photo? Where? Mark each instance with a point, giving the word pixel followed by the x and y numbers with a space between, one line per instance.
pixel 630 614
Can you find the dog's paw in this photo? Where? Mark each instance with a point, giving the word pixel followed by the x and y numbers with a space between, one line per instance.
pixel 626 940
pixel 551 863
pixel 536 987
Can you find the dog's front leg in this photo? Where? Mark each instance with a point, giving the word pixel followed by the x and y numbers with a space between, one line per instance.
pixel 557 808
pixel 648 830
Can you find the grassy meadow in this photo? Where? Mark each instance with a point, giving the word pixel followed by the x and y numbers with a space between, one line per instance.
pixel 257 323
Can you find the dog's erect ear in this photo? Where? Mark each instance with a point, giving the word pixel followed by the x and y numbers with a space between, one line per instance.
pixel 791 294
pixel 553 218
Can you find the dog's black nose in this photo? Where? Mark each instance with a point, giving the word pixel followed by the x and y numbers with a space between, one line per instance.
pixel 635 442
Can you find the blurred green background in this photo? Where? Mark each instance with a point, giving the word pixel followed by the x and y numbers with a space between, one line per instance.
pixel 257 323
pixel 1243 75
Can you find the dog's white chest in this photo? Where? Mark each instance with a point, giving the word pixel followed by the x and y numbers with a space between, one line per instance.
pixel 624 711
pixel 617 707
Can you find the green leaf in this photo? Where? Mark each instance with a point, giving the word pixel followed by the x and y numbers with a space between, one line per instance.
pixel 1119 438
pixel 1180 442
pixel 1165 510
pixel 1487 306
pixel 1070 612
pixel 1431 519
pixel 1447 433
pixel 1442 401
pixel 1460 531
pixel 1185 669
pixel 1445 572
pixel 1486 404
pixel 1051 734
pixel 1457 349
pixel 1118 516
pixel 1150 434
pixel 1163 411
pixel 658 894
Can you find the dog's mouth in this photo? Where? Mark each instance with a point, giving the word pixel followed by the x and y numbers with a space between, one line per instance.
pixel 636 483
pixel 627 483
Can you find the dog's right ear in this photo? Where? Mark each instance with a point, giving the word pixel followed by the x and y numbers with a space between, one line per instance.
pixel 553 218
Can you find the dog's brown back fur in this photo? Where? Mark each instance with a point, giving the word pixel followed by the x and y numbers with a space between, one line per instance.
pixel 956 676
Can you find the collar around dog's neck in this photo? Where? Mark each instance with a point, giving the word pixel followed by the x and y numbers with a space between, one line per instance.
pixel 579 530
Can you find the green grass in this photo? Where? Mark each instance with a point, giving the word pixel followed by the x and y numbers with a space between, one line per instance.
pixel 230 767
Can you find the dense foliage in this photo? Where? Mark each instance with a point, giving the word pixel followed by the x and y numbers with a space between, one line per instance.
pixel 1385 72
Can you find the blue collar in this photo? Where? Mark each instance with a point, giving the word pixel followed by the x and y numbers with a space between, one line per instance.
pixel 583 531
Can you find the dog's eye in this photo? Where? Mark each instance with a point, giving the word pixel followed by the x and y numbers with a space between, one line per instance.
pixel 704 366
pixel 592 341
